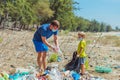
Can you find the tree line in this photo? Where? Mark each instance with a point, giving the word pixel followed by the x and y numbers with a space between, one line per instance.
pixel 23 14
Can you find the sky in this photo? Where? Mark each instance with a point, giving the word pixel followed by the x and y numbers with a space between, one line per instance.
pixel 107 11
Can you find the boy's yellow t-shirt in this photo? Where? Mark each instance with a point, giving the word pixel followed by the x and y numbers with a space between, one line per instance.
pixel 82 44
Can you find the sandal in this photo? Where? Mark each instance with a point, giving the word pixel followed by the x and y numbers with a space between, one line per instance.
pixel 40 71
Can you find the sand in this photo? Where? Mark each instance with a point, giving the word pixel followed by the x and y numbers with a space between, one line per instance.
pixel 17 50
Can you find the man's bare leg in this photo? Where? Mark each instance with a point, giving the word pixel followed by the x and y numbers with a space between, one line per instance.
pixel 39 59
pixel 44 60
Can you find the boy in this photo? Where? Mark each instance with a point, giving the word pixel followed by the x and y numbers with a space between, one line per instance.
pixel 81 52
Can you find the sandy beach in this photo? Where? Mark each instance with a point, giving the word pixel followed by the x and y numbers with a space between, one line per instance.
pixel 17 50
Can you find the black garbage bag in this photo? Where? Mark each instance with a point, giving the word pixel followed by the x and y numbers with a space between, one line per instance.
pixel 73 64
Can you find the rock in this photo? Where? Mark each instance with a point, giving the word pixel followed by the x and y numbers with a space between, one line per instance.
pixel 12 70
pixel 91 65
pixel 12 66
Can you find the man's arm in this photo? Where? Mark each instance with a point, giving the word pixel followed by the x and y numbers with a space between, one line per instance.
pixel 56 41
pixel 45 41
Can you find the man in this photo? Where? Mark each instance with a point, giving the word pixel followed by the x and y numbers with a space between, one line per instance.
pixel 44 32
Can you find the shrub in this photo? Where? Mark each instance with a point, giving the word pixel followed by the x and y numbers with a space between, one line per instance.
pixel 53 57
pixel 1 39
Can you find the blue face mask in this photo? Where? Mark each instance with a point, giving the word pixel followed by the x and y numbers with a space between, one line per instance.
pixel 80 39
pixel 54 30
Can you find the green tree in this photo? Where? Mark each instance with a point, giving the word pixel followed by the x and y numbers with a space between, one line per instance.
pixel 63 11
pixel 83 24
pixel 117 28
pixel 102 27
pixel 108 28
pixel 24 12
pixel 94 26
pixel 42 9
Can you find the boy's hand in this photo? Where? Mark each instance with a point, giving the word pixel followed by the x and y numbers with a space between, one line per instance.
pixel 78 55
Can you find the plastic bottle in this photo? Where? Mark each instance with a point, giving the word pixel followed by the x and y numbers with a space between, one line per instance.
pixel 59 59
pixel 1 78
pixel 14 77
pixel 75 75
pixel 5 76
pixel 55 74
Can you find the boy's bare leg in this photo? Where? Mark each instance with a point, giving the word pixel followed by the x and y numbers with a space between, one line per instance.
pixel 82 68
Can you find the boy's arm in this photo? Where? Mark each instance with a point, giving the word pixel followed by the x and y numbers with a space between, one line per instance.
pixel 81 47
pixel 80 51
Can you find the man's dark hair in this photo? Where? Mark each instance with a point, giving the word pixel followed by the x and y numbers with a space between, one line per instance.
pixel 55 23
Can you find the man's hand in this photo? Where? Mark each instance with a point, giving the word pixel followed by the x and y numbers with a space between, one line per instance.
pixel 53 48
pixel 57 49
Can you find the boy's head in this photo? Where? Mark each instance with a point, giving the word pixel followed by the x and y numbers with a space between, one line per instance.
pixel 81 35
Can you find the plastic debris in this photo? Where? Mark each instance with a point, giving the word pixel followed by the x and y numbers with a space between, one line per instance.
pixel 51 73
pixel 96 78
pixel 1 78
pixel 55 74
pixel 116 67
pixel 59 59
pixel 75 75
pixel 4 76
pixel 101 69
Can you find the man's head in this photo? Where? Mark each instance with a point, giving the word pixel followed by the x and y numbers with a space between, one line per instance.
pixel 54 25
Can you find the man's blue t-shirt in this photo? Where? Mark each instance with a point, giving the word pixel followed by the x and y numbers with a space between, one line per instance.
pixel 44 31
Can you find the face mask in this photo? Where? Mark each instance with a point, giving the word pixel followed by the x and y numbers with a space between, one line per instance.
pixel 80 39
pixel 54 30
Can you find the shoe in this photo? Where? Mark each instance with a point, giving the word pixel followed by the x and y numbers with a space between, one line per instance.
pixel 82 74
pixel 45 72
pixel 39 70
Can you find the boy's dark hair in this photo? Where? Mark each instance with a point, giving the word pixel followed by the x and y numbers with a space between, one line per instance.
pixel 55 23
